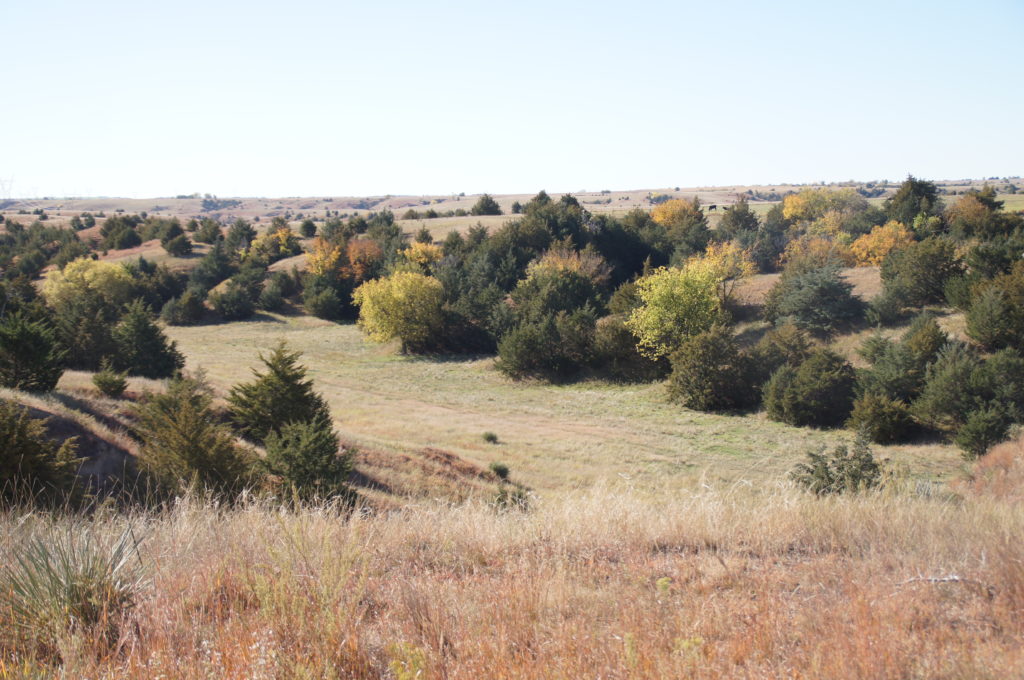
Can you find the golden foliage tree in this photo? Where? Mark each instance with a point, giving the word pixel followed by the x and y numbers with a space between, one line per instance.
pixel 675 304
pixel 423 254
pixel 728 264
pixel 84 275
pixel 817 249
pixel 563 257
pixel 325 259
pixel 870 249
pixel 405 305
pixel 676 211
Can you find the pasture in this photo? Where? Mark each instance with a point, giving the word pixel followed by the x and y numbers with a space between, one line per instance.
pixel 554 437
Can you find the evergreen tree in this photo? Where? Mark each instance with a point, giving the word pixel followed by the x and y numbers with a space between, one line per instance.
pixel 279 396
pixel 30 356
pixel 305 456
pixel 486 205
pixel 183 445
pixel 30 462
pixel 142 347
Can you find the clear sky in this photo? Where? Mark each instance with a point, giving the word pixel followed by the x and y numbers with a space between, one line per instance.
pixel 140 98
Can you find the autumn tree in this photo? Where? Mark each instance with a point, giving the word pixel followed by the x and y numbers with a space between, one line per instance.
pixel 871 249
pixel 675 304
pixel 406 305
pixel 685 224
pixel 728 264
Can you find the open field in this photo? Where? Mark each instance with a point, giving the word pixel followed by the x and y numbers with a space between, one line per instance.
pixel 554 437
pixel 596 584
pixel 616 201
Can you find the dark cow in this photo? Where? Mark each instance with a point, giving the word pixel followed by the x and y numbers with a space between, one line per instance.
pixel 712 207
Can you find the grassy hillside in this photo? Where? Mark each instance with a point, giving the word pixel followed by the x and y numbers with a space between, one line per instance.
pixel 597 584
pixel 552 436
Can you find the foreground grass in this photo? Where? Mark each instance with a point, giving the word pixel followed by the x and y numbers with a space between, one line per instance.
pixel 602 583
pixel 552 437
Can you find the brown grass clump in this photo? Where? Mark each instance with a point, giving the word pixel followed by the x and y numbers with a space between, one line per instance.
pixel 606 583
pixel 1000 472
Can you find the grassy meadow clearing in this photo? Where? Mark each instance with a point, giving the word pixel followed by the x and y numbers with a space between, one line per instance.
pixel 553 437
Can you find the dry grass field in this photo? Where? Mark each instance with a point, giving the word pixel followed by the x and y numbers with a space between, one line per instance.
pixel 595 584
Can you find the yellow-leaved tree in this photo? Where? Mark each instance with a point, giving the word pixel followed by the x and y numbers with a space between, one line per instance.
pixel 84 275
pixel 728 264
pixel 423 254
pixel 405 305
pixel 675 304
pixel 870 249
pixel 325 259
pixel 564 257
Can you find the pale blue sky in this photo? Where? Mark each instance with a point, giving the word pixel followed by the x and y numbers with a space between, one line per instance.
pixel 340 98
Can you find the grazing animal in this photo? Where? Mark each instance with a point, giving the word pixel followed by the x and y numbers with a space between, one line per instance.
pixel 725 207
pixel 712 207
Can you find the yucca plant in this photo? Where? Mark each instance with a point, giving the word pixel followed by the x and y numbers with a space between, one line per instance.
pixel 71 582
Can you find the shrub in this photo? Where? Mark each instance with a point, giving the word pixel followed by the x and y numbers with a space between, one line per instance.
pixel 617 356
pixel 142 347
pixel 405 305
pixel 843 470
pixel 323 302
pixel 271 297
pixel 304 455
pixel 179 246
pixel 32 466
pixel 882 420
pixel 234 303
pixel 990 320
pixel 871 249
pixel 710 374
pixel 276 397
pixel 490 438
pixel 549 290
pixel 885 309
pixel 185 310
pixel 70 583
pixel 818 301
pixel 917 274
pixel 818 392
pixel 946 400
pixel 785 344
pixel 485 205
pixel 183 445
pixel 31 358
pixel 676 303
pixel 511 498
pixel 925 338
pixel 554 347
pixel 896 372
pixel 983 429
pixel 500 470
pixel 307 228
pixel 109 382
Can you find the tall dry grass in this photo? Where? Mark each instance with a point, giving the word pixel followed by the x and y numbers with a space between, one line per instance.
pixel 599 584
